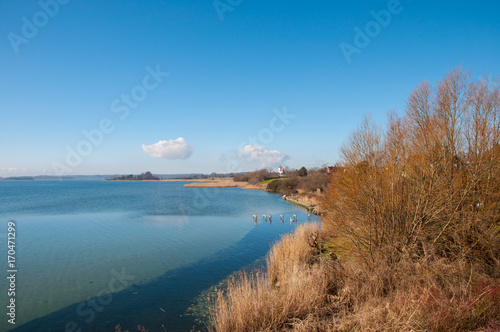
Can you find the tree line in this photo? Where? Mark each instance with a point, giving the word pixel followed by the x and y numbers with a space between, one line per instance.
pixel 141 177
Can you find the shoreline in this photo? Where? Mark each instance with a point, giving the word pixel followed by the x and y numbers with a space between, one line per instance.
pixel 161 180
pixel 310 202
pixel 224 183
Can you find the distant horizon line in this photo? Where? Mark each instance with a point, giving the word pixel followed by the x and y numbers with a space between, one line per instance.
pixel 115 174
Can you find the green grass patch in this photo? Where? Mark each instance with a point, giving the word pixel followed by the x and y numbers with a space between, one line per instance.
pixel 267 181
pixel 340 246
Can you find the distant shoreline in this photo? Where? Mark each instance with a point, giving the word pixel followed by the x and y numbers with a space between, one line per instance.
pixel 206 183
pixel 162 180
pixel 308 203
pixel 312 205
pixel 304 201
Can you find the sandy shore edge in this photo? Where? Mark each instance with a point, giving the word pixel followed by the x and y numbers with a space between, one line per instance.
pixel 224 183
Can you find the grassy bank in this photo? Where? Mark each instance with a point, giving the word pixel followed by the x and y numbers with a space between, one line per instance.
pixel 309 285
pixel 306 287
pixel 270 180
pixel 310 202
pixel 289 290
pixel 296 202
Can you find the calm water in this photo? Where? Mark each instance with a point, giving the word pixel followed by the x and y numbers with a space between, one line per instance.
pixel 91 254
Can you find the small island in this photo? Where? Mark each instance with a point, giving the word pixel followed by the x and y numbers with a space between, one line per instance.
pixel 18 178
pixel 147 176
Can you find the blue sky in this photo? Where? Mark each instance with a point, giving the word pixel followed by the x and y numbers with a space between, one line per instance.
pixel 249 83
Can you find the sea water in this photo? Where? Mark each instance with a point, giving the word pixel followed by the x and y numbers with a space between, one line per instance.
pixel 94 254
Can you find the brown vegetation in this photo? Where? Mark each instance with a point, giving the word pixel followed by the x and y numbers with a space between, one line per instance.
pixel 256 176
pixel 308 181
pixel 311 202
pixel 419 206
pixel 411 231
pixel 224 183
pixel 293 182
pixel 288 291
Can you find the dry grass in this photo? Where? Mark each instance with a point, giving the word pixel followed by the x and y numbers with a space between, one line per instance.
pixel 292 288
pixel 303 291
pixel 436 297
pixel 225 183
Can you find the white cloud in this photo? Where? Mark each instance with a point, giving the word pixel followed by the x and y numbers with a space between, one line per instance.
pixel 262 155
pixel 171 149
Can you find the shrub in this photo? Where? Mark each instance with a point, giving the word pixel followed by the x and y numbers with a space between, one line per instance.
pixel 430 186
pixel 284 186
pixel 241 177
pixel 302 172
pixel 314 181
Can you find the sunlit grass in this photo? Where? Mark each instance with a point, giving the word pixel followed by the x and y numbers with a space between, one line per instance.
pixel 270 180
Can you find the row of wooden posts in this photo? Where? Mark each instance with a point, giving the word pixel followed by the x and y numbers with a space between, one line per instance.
pixel 265 218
